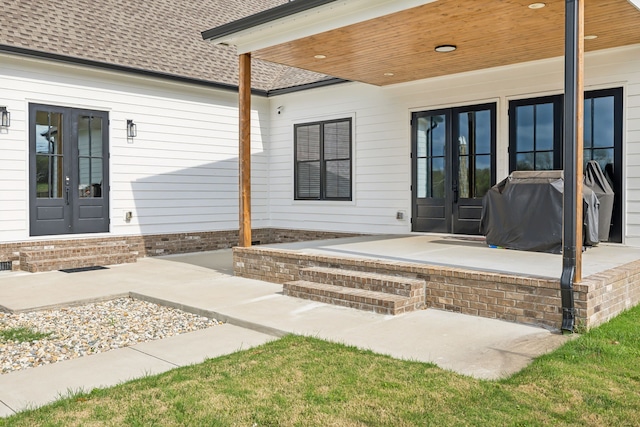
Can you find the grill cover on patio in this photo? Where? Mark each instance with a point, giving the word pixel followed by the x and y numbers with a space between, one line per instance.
pixel 595 179
pixel 524 211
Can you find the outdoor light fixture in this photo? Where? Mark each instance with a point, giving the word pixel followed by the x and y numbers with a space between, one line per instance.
pixel 320 56
pixel 590 37
pixel 388 74
pixel 446 48
pixel 536 5
pixel 5 117
pixel 132 129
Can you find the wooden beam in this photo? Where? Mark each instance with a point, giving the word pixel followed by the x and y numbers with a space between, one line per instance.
pixel 244 104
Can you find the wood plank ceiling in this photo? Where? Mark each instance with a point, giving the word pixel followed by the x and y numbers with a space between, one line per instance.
pixel 488 33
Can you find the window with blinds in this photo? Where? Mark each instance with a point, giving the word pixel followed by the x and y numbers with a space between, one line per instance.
pixel 323 160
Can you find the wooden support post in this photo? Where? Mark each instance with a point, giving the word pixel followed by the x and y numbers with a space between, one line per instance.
pixel 244 89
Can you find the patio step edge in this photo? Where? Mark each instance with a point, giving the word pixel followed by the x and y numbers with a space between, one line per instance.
pixel 370 281
pixel 378 302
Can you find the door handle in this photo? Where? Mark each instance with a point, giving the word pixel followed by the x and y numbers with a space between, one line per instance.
pixel 455 193
pixel 67 190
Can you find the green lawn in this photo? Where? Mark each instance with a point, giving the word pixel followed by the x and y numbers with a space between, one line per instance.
pixel 591 381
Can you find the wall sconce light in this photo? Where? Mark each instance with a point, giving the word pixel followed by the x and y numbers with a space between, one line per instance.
pixel 132 129
pixel 5 117
pixel 280 109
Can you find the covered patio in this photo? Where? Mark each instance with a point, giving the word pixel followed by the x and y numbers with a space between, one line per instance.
pixel 385 43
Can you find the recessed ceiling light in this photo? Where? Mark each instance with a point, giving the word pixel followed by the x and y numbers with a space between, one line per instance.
pixel 446 48
pixel 320 56
pixel 590 37
pixel 536 5
pixel 388 74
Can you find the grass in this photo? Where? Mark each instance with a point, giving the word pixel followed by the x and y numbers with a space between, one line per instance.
pixel 22 334
pixel 297 381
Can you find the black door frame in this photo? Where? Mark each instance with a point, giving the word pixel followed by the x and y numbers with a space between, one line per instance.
pixel 69 213
pixel 450 206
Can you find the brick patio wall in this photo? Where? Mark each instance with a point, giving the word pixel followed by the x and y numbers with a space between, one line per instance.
pixel 529 300
pixel 167 244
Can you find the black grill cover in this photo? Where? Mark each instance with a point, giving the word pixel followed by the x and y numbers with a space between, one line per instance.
pixel 524 211
pixel 595 179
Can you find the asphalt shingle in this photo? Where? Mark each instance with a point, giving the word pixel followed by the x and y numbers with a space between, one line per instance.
pixel 162 36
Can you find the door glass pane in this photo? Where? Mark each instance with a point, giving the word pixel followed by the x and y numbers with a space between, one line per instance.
pixel 463 174
pixel 437 177
pixel 603 156
pixel 544 127
pixel 524 128
pixel 421 141
pixel 524 161
pixel 483 132
pixel 49 160
pixel 482 175
pixel 89 157
pixel 544 160
pixel 603 122
pixel 84 136
pixel 436 135
pixel 474 150
pixel 422 178
pixel 588 120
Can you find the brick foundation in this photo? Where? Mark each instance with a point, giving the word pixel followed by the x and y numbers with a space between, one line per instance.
pixel 509 297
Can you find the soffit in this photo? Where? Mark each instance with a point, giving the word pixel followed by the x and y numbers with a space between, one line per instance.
pixel 487 34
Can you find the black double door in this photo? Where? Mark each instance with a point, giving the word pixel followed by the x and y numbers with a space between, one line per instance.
pixel 453 166
pixel 69 170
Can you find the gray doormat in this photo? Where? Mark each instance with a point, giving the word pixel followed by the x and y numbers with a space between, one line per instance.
pixel 79 269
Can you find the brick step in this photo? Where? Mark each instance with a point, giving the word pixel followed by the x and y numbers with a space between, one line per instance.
pixel 379 302
pixel 34 266
pixel 37 253
pixel 56 257
pixel 395 285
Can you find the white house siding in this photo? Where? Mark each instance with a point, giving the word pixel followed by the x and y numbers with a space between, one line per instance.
pixel 382 136
pixel 180 174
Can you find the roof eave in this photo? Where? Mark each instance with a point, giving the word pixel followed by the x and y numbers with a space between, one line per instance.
pixel 218 34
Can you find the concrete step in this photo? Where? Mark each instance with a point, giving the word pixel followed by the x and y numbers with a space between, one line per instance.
pixel 47 258
pixel 379 302
pixel 395 285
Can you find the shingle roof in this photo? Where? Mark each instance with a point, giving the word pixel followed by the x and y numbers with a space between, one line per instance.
pixel 161 36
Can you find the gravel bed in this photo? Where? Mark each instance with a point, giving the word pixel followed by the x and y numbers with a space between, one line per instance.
pixel 92 328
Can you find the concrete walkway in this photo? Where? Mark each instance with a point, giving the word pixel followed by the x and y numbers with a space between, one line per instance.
pixel 256 312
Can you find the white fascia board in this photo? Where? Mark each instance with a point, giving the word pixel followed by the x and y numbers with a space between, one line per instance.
pixel 315 21
pixel 636 3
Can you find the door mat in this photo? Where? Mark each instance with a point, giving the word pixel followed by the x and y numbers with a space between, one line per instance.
pixel 79 269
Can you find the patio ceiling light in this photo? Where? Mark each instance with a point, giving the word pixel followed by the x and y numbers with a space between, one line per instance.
pixel 446 48
pixel 388 74
pixel 320 56
pixel 536 5
pixel 590 37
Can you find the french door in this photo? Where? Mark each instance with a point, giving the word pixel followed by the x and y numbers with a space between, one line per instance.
pixel 453 166
pixel 535 139
pixel 69 170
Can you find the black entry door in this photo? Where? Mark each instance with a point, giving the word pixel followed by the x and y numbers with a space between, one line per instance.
pixel 69 152
pixel 453 152
pixel 535 139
